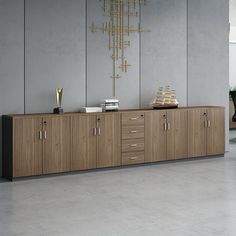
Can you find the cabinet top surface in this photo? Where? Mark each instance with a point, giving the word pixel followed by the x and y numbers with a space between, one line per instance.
pixel 116 112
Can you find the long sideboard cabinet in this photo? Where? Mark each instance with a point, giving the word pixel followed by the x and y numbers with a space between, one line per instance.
pixel 38 144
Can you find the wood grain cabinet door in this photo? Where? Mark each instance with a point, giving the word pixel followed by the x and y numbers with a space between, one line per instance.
pixel 84 142
pixel 155 136
pixel 215 131
pixel 177 134
pixel 197 132
pixel 56 144
pixel 108 140
pixel 27 147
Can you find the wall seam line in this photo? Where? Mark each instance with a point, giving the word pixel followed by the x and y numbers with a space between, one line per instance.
pixel 86 54
pixel 24 60
pixel 140 61
pixel 187 35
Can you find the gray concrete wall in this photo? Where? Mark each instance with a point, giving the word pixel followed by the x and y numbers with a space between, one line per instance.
pixel 11 60
pixel 208 54
pixel 187 49
pixel 164 49
pixel 55 54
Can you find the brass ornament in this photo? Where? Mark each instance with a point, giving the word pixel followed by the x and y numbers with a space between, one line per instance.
pixel 118 27
pixel 59 93
pixel 58 109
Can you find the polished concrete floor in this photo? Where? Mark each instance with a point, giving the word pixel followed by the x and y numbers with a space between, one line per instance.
pixel 187 198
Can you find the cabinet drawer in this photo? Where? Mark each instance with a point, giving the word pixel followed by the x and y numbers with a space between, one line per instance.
pixel 133 119
pixel 131 145
pixel 133 132
pixel 130 158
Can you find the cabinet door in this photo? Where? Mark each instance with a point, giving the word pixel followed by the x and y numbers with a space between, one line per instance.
pixel 177 134
pixel 155 136
pixel 84 142
pixel 108 140
pixel 28 147
pixel 197 132
pixel 216 131
pixel 57 150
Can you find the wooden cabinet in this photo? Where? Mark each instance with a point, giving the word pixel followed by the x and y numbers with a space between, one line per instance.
pixel 166 135
pixel 177 134
pixel 130 145
pixel 215 131
pixel 38 145
pixel 44 144
pixel 130 158
pixel 133 138
pixel 56 144
pixel 108 140
pixel 197 132
pixel 27 147
pixel 96 141
pixel 84 142
pixel 155 136
pixel 206 132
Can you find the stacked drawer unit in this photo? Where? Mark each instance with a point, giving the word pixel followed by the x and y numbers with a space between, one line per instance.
pixel 133 138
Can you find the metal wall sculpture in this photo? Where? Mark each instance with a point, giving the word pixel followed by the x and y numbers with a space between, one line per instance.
pixel 118 27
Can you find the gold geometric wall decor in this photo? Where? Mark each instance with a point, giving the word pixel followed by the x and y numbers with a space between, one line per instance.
pixel 118 27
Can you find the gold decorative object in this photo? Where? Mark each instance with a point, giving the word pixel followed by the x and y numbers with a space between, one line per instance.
pixel 165 98
pixel 118 27
pixel 59 93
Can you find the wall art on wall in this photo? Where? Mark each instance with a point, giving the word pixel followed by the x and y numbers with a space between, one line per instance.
pixel 118 27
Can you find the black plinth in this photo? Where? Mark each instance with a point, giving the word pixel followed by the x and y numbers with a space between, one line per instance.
pixel 58 110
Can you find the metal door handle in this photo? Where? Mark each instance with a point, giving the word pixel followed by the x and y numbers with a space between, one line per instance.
pixel 94 131
pixel 99 131
pixel 133 131
pixel 133 145
pixel 45 135
pixel 40 135
pixel 209 123
pixel 165 126
pixel 205 123
pixel 168 126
